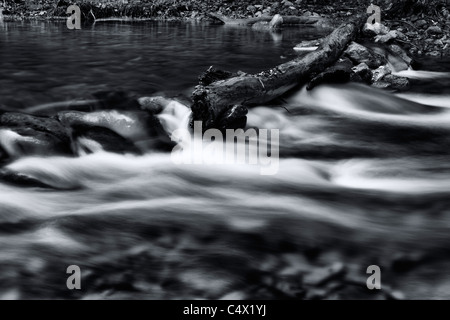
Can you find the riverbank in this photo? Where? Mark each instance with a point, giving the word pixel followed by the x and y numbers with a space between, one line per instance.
pixel 422 33
pixel 175 9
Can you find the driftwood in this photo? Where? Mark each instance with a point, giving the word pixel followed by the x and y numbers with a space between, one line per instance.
pixel 287 20
pixel 222 104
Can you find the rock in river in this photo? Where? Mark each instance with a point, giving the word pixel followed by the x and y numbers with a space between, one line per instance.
pixel 360 54
pixel 22 134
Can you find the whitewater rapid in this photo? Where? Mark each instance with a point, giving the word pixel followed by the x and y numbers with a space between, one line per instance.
pixel 360 169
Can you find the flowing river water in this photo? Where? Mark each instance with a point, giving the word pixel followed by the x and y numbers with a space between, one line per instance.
pixel 363 178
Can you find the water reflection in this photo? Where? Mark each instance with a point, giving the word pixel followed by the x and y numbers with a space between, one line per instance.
pixel 44 61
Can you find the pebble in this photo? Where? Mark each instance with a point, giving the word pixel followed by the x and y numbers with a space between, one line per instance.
pixel 434 30
pixel 421 23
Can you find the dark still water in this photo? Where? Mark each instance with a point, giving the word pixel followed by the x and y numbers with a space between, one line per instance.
pixel 44 62
pixel 363 177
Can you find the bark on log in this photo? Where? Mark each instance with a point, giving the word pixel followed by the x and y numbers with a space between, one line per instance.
pixel 287 20
pixel 212 75
pixel 213 102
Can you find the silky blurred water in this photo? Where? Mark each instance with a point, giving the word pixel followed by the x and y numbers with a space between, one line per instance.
pixel 363 178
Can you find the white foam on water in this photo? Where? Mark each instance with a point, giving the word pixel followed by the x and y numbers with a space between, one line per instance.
pixel 305 48
pixel 422 74
pixel 441 100
pixel 363 102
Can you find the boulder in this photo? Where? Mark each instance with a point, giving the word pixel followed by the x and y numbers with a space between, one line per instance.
pixel 155 104
pixel 390 36
pixel 398 51
pixel 434 30
pixel 89 139
pixel 392 82
pixel 371 30
pixel 421 24
pixel 398 58
pixel 380 72
pixel 364 72
pixel 397 64
pixel 23 135
pixel 360 54
pixel 23 121
pixel 141 128
pixel 126 124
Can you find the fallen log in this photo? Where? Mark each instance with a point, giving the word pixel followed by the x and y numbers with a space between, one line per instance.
pixel 273 24
pixel 287 20
pixel 229 97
